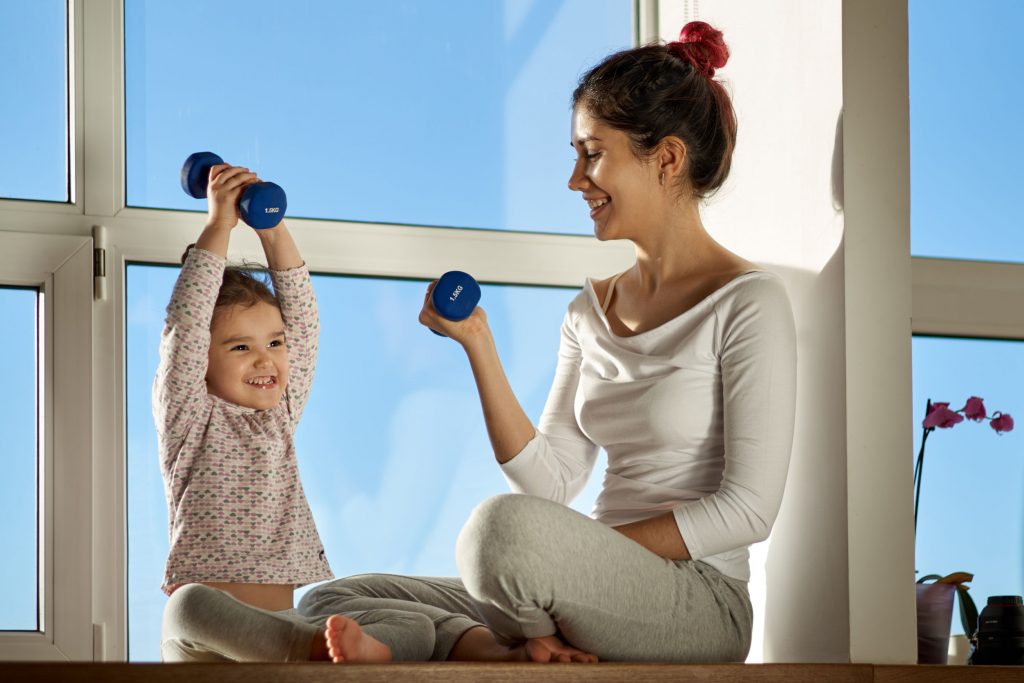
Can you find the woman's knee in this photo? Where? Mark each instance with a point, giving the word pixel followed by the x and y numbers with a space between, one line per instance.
pixel 500 534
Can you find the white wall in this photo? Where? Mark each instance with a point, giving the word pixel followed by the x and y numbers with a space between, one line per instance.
pixel 784 206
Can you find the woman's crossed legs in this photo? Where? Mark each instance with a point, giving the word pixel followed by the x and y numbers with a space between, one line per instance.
pixel 534 569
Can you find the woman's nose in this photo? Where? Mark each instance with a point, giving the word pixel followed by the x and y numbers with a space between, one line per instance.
pixel 577 179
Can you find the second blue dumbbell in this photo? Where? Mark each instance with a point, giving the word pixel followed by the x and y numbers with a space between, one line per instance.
pixel 261 206
pixel 455 296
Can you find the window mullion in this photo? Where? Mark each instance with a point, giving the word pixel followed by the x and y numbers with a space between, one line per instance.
pixel 968 298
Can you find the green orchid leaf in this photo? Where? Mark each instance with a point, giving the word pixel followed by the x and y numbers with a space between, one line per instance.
pixel 968 611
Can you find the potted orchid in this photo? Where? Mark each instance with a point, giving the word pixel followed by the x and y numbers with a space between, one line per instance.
pixel 934 601
pixel 938 415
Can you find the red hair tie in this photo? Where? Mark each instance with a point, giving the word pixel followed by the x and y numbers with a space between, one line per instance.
pixel 701 45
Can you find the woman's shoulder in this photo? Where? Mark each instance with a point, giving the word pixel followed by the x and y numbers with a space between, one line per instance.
pixel 756 297
pixel 753 286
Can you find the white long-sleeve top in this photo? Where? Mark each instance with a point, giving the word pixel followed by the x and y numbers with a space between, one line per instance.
pixel 696 416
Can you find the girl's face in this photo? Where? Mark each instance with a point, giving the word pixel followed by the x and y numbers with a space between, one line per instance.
pixel 620 189
pixel 248 357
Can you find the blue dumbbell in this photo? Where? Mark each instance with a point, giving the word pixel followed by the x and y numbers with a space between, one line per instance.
pixel 455 296
pixel 262 204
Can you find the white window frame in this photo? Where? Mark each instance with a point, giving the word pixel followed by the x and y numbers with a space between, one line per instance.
pixel 60 266
pixel 949 297
pixel 128 235
pixel 86 529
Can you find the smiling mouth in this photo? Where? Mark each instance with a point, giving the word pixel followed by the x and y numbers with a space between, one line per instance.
pixel 263 382
pixel 597 204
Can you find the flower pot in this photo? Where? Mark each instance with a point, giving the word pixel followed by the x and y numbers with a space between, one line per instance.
pixel 934 617
pixel 959 649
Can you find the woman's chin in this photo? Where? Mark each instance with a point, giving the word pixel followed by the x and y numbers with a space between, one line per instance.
pixel 603 233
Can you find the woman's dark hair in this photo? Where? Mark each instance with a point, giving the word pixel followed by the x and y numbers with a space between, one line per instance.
pixel 655 91
pixel 242 286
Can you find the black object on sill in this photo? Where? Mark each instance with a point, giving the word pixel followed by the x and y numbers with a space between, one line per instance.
pixel 1000 635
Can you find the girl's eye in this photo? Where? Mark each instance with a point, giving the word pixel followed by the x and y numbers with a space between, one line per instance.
pixel 240 347
pixel 276 342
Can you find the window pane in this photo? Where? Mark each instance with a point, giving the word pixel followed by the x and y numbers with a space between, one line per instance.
pixel 19 582
pixel 392 447
pixel 971 516
pixel 431 113
pixel 966 142
pixel 34 119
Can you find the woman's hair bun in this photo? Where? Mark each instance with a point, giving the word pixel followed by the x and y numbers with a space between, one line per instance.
pixel 702 46
pixel 187 249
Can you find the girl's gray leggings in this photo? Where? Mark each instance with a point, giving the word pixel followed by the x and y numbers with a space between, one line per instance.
pixel 529 567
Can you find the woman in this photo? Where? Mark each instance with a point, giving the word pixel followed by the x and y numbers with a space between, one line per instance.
pixel 682 368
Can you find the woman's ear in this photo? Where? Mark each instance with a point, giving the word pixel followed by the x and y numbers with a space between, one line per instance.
pixel 671 158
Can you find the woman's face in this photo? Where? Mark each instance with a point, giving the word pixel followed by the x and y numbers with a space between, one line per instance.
pixel 621 190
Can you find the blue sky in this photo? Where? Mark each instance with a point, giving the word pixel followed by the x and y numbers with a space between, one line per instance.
pixel 966 108
pixel 461 118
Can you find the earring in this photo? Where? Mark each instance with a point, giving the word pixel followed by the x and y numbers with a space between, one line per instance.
pixel 661 179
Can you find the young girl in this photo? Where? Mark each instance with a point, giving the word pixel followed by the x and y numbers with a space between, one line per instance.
pixel 236 366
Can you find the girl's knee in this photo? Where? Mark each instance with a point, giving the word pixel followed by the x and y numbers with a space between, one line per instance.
pixel 191 613
pixel 179 650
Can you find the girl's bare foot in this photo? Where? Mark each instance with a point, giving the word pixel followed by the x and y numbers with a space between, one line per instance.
pixel 346 642
pixel 552 649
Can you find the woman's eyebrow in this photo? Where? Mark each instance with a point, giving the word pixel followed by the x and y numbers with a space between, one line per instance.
pixel 580 141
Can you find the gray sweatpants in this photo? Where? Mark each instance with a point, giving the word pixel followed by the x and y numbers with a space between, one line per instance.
pixel 531 568
pixel 203 624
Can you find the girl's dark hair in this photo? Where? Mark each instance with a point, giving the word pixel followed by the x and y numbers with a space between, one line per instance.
pixel 242 286
pixel 654 91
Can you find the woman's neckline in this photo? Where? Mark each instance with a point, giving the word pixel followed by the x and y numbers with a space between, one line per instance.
pixel 596 302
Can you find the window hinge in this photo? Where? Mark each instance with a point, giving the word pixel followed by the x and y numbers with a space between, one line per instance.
pixel 99 262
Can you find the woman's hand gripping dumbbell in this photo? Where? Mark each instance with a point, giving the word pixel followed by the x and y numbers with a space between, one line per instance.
pixel 261 206
pixel 451 298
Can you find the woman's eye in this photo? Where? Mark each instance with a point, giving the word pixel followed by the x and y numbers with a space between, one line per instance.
pixel 592 155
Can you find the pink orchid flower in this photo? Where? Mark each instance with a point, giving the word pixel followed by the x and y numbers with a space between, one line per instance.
pixel 942 417
pixel 1001 422
pixel 974 410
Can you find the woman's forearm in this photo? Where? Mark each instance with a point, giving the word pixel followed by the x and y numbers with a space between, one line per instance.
pixel 658 534
pixel 507 425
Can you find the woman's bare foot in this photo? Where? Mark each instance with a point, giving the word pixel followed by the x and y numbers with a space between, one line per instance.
pixel 346 642
pixel 552 649
pixel 478 645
